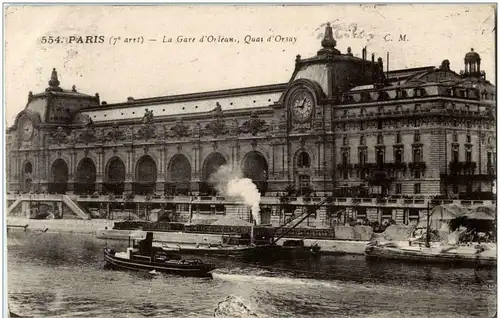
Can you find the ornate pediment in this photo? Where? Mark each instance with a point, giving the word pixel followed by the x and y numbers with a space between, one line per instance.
pixel 180 129
pixel 254 125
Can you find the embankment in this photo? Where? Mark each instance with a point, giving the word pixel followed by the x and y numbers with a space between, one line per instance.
pixel 353 240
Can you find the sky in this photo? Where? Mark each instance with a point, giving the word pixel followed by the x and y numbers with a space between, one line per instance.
pixel 117 70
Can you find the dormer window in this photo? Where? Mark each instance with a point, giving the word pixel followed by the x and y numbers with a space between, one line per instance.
pixel 469 139
pixel 455 137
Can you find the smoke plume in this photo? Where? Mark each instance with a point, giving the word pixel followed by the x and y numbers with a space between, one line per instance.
pixel 231 183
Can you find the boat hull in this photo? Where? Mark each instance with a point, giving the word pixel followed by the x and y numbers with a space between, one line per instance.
pixel 257 253
pixel 170 267
pixel 375 252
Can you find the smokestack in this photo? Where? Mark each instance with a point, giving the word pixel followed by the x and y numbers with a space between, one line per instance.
pixel 373 58
pixel 387 75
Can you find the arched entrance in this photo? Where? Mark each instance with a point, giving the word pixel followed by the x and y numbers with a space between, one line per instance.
pixel 85 177
pixel 145 175
pixel 179 170
pixel 27 177
pixel 115 176
pixel 211 164
pixel 255 167
pixel 59 174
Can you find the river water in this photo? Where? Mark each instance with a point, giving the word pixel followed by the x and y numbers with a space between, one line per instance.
pixel 61 275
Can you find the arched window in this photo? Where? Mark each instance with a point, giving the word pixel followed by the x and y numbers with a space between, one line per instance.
pixel 303 160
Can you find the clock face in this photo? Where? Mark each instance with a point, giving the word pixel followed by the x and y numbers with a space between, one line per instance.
pixel 302 105
pixel 26 129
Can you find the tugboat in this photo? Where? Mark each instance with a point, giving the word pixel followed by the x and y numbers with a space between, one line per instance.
pixel 144 256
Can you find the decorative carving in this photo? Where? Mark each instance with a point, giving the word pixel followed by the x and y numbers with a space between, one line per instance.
pixel 148 117
pixel 180 129
pixel 86 152
pixel 145 149
pixel 115 133
pixel 234 128
pixel 254 144
pixel 87 121
pixel 254 125
pixel 130 134
pixel 179 148
pixel 147 131
pixel 218 109
pixel 215 146
pixel 217 127
pixel 87 135
pixel 59 136
pixel 301 142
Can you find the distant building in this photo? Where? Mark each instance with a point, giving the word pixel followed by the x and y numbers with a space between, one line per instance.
pixel 382 142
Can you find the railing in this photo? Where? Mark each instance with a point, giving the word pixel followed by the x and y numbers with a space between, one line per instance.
pixel 339 200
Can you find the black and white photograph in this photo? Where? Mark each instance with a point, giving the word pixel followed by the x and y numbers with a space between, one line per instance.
pixel 257 160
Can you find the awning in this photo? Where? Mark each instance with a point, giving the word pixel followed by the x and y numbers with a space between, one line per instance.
pixel 482 212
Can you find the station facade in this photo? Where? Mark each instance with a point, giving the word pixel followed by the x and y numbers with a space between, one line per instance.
pixel 380 142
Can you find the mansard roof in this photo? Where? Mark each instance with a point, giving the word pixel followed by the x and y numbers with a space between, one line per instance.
pixel 188 104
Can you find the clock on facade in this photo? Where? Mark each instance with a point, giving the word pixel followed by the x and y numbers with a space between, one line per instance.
pixel 26 129
pixel 302 105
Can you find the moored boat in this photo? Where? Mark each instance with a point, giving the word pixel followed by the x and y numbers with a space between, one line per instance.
pixel 462 255
pixel 265 252
pixel 147 257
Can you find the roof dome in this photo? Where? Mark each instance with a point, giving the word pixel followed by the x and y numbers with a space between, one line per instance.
pixel 472 56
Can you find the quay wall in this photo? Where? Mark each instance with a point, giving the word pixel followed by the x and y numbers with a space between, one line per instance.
pixel 96 227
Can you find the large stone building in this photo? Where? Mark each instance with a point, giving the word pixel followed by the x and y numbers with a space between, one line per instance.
pixel 382 142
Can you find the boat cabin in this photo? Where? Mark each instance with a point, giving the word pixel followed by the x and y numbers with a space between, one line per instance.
pixel 141 246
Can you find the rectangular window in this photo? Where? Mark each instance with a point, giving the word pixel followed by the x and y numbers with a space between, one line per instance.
pixel 416 137
pixel 399 188
pixel 417 155
pixel 468 155
pixel 362 157
pixel 398 156
pixel 304 181
pixel 416 188
pixel 417 174
pixel 455 156
pixel 489 161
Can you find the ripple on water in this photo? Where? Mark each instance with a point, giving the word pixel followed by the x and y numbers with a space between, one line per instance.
pixel 74 284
